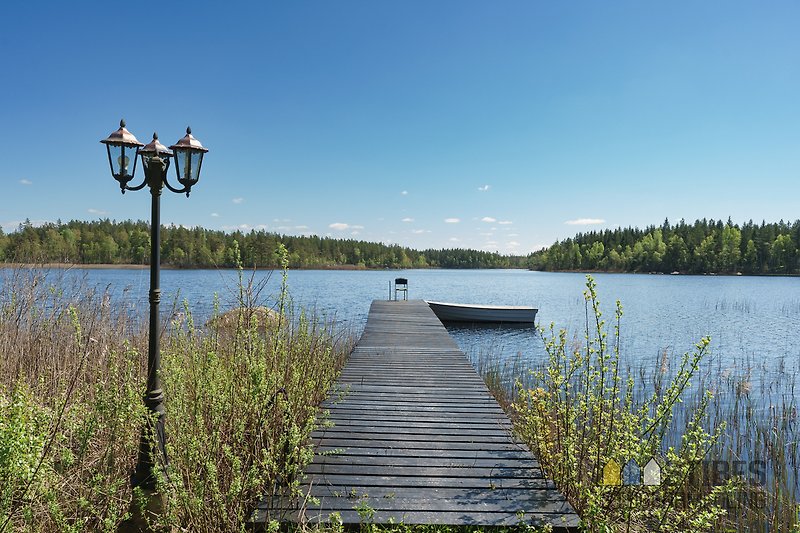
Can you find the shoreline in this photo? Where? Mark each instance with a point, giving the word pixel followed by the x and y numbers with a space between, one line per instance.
pixel 127 266
pixel 706 274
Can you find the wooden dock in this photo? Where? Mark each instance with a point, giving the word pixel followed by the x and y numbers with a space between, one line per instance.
pixel 417 439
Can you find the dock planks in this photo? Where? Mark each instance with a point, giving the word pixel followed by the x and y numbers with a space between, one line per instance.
pixel 416 438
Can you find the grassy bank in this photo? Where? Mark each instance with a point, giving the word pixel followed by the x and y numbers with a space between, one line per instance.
pixel 240 399
pixel 726 445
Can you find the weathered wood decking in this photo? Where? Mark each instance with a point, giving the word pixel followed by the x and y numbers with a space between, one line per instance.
pixel 418 439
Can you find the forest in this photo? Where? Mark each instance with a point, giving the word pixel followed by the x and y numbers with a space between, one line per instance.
pixel 128 242
pixel 704 247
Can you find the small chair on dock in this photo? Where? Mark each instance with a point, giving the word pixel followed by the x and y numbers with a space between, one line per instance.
pixel 401 285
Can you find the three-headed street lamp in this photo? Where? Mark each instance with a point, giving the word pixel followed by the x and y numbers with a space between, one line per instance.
pixel 123 149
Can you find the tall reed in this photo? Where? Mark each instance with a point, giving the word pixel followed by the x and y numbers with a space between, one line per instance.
pixel 240 403
pixel 727 442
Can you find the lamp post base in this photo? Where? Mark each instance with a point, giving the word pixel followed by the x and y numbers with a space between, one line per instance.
pixel 147 505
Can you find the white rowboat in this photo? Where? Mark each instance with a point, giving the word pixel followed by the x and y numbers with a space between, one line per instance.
pixel 448 312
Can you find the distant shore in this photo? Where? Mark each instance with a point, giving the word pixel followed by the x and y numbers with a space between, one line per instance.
pixel 720 274
pixel 128 266
pixel 111 266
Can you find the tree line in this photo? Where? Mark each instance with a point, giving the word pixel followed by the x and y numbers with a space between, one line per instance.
pixel 707 246
pixel 128 242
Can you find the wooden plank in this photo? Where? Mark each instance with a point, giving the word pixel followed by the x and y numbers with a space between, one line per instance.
pixel 560 521
pixel 417 481
pixel 444 493
pixel 440 462
pixel 416 444
pixel 405 418
pixel 411 432
pixel 359 469
pixel 521 504
pixel 431 453
pixel 443 423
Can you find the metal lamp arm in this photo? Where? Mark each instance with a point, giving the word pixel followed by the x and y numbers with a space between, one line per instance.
pixel 136 188
pixel 173 189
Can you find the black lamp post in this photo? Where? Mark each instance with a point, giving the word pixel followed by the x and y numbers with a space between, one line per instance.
pixel 188 154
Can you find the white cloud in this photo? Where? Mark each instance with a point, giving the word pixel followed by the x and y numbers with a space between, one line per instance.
pixel 407 219
pixel 98 212
pixel 339 226
pixel 488 219
pixel 585 221
pixel 420 231
pixel 512 244
pixel 486 234
pixel 24 181
pixel 13 225
pixel 354 232
pixel 215 215
pixel 404 193
pixel 243 227
pixel 301 227
pixel 513 234
pixel 505 222
pixel 484 188
pixel 238 200
pixel 452 220
pixel 357 227
pixel 454 239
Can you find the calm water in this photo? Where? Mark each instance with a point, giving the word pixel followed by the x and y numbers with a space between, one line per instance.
pixel 752 320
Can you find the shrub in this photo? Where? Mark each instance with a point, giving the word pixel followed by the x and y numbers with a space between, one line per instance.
pixel 581 418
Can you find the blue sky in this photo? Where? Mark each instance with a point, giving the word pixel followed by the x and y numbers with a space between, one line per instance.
pixel 493 125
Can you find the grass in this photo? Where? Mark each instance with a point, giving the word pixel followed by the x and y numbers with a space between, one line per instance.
pixel 240 403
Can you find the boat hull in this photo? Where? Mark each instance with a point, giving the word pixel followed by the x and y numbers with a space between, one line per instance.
pixel 495 314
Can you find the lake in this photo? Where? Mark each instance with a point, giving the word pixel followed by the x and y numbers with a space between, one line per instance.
pixel 752 321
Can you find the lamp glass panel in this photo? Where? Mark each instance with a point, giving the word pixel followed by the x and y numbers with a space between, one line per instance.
pixel 147 156
pixel 122 159
pixel 188 164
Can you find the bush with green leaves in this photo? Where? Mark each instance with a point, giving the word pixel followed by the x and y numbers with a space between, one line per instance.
pixel 579 413
pixel 240 404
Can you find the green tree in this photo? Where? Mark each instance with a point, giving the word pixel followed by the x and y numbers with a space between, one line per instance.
pixel 677 254
pixel 782 254
pixel 730 252
pixel 750 260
